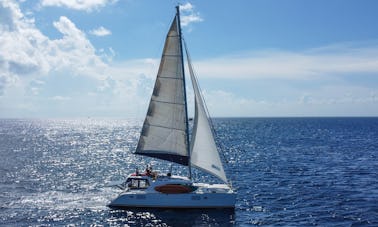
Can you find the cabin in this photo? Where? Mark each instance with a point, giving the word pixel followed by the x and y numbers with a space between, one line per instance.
pixel 137 182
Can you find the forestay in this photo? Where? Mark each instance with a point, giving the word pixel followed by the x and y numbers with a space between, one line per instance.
pixel 164 132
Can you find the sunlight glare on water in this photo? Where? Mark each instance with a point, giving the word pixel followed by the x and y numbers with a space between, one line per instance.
pixel 287 171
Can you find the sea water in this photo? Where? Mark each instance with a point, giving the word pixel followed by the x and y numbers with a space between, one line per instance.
pixel 287 171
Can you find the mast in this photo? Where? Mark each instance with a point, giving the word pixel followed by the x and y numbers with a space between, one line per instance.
pixel 186 105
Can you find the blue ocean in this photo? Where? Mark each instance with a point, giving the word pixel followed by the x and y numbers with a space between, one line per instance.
pixel 287 172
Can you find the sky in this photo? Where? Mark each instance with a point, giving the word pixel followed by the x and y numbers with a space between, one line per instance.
pixel 253 58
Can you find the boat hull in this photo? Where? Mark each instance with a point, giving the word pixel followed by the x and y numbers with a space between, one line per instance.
pixel 175 201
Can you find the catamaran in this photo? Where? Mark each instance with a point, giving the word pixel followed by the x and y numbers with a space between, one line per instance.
pixel 165 135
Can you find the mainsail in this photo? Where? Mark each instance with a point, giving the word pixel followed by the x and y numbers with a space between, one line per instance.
pixel 164 132
pixel 204 153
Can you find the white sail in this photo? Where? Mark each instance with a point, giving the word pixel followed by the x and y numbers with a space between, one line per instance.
pixel 164 132
pixel 204 153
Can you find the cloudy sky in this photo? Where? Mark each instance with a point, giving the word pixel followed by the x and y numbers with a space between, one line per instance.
pixel 99 58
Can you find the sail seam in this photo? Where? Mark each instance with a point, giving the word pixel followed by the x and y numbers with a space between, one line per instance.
pixel 160 126
pixel 171 55
pixel 168 77
pixel 174 103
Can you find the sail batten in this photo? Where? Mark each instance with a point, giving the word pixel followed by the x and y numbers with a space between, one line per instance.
pixel 171 55
pixel 168 77
pixel 174 103
pixel 162 126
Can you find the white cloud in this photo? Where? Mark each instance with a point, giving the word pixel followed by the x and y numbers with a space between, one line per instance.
pixel 19 43
pixel 132 69
pixel 67 76
pixel 40 76
pixel 25 51
pixel 74 51
pixel 3 83
pixel 189 19
pixel 307 64
pixel 189 16
pixel 60 98
pixel 340 94
pixel 86 5
pixel 186 7
pixel 106 54
pixel 327 101
pixel 9 14
pixel 100 31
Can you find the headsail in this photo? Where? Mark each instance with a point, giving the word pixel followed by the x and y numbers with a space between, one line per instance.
pixel 164 132
pixel 204 153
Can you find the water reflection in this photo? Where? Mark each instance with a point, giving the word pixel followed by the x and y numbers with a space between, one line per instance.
pixel 171 217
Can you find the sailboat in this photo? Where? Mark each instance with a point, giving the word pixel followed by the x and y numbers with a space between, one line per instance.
pixel 165 135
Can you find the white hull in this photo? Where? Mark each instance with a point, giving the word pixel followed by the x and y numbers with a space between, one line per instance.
pixel 205 196
pixel 175 201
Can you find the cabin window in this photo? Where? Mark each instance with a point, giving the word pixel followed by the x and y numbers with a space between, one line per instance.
pixel 138 183
pixel 134 183
pixel 143 184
